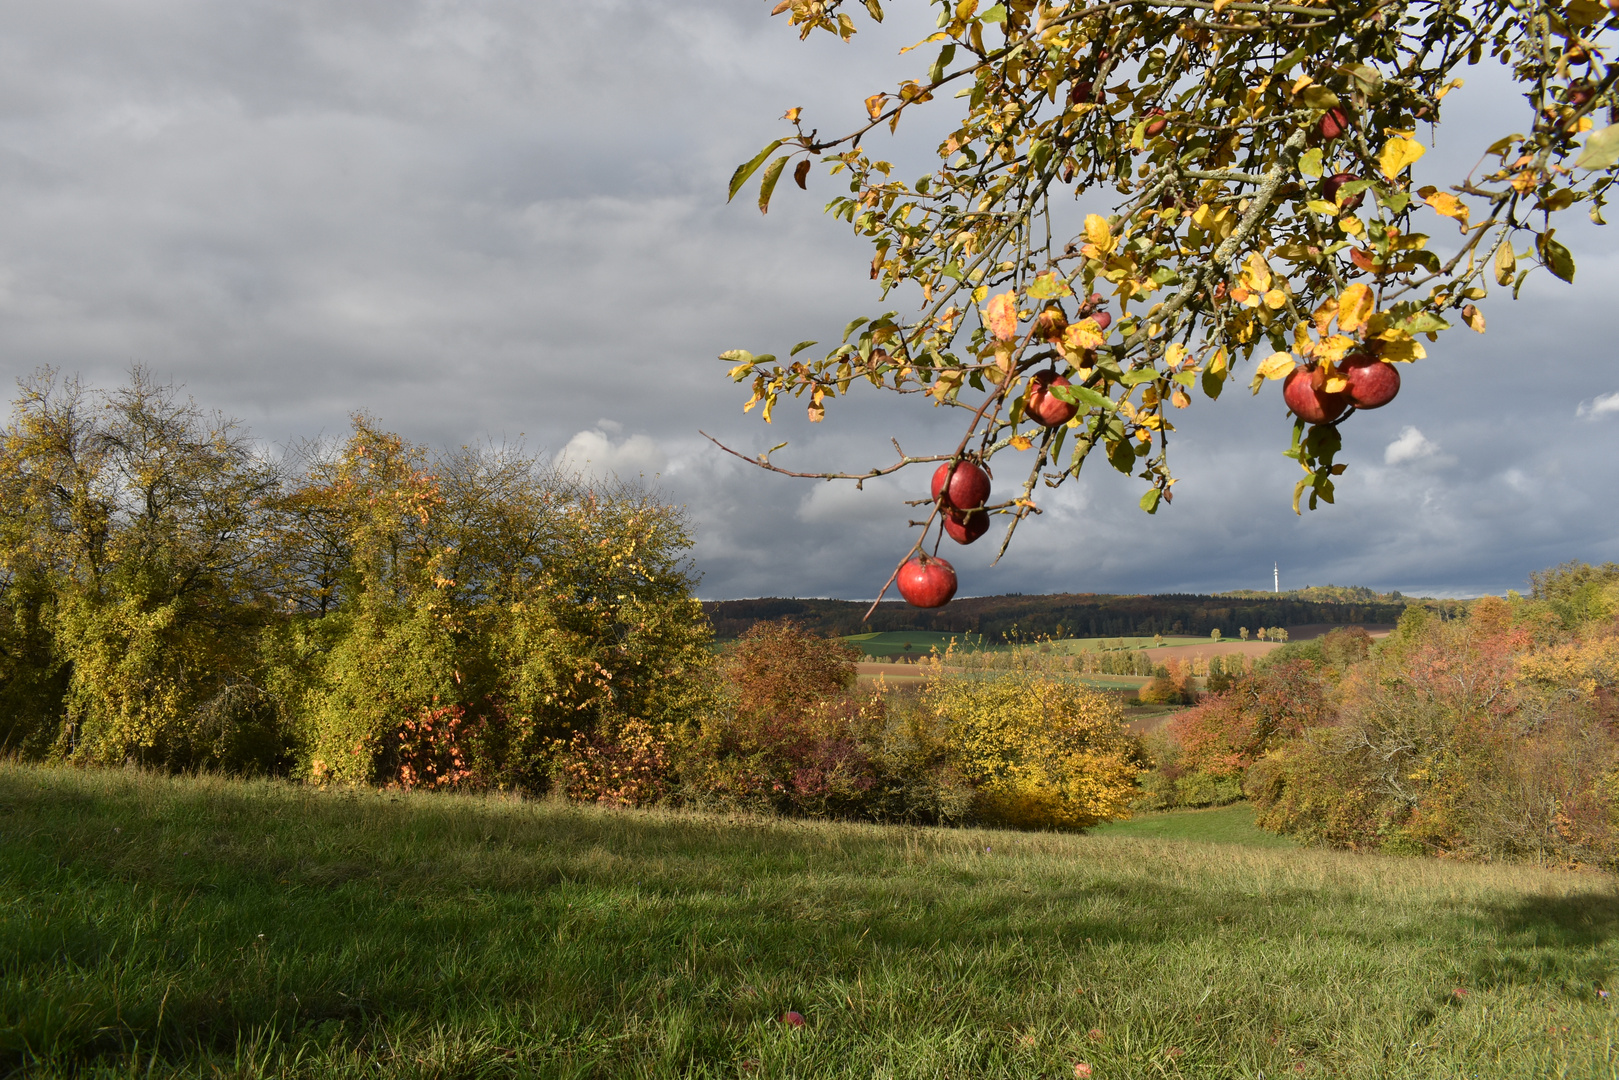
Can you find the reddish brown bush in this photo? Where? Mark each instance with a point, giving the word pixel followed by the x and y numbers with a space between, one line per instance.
pixel 1228 732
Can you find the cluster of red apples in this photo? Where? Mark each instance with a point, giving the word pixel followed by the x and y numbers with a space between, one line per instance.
pixel 1321 393
pixel 1317 393
pixel 961 488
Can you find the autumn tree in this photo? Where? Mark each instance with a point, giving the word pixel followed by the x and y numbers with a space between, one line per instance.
pixel 1232 177
pixel 134 552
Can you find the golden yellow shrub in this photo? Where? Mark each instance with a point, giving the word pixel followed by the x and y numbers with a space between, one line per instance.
pixel 1039 752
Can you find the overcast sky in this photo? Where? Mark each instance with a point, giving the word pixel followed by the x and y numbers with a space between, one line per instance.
pixel 502 219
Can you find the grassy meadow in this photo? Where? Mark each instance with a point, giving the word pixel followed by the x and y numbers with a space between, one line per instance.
pixel 1215 825
pixel 893 643
pixel 202 927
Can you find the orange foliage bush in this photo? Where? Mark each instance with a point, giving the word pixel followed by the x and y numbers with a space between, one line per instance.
pixel 1228 732
pixel 622 763
pixel 1468 737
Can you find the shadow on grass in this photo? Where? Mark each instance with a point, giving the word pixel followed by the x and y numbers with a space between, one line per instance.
pixel 1584 921
pixel 180 916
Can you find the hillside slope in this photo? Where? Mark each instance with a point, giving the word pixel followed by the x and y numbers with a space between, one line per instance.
pixel 155 927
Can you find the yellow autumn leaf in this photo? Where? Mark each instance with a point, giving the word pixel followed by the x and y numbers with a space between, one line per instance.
pixel 1333 349
pixel 1324 314
pixel 1179 399
pixel 874 105
pixel 1473 317
pixel 1277 365
pixel 1000 316
pixel 1099 233
pixel 1021 442
pixel 1175 355
pixel 1399 347
pixel 1084 334
pixel 1450 206
pixel 1276 299
pixel 947 383
pixel 1256 272
pixel 1353 308
pixel 1336 384
pixel 1398 154
pixel 1301 340
pixel 1218 364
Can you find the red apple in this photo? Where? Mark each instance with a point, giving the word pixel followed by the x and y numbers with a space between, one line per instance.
pixel 1307 401
pixel 1156 128
pixel 1084 91
pixel 1372 383
pixel 1042 407
pixel 793 1019
pixel 927 581
pixel 1103 320
pixel 965 528
pixel 969 485
pixel 1334 124
pixel 1330 186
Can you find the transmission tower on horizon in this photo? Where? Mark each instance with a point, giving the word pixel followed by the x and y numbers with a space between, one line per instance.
pixel 1276 577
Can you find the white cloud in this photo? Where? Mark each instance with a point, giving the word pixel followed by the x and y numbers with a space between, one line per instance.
pixel 1601 405
pixel 840 502
pixel 597 454
pixel 1412 445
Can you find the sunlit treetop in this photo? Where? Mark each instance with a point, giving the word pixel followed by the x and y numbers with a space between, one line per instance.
pixel 1253 162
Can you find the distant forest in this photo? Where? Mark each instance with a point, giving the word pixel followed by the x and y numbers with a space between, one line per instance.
pixel 1020 617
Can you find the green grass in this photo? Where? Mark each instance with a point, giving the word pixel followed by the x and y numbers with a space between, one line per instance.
pixel 893 642
pixel 201 927
pixel 1219 825
pixel 1069 646
pixel 922 642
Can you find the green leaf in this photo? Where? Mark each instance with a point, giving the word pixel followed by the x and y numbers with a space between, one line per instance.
pixel 1081 395
pixel 800 347
pixel 1318 97
pixel 1368 77
pixel 1394 200
pixel 737 356
pixel 1500 146
pixel 1122 456
pixel 1558 259
pixel 1601 149
pixel 1213 383
pixel 768 185
pixel 940 65
pixel 1139 376
pixel 1423 322
pixel 746 170
pixel 1310 162
pixel 853 326
pixel 1149 501
pixel 996 14
pixel 1048 286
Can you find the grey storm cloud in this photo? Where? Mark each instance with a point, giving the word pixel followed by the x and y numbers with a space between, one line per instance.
pixel 503 220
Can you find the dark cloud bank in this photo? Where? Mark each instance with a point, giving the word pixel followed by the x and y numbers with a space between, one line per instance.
pixel 502 219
